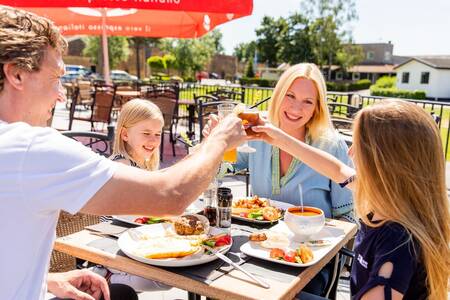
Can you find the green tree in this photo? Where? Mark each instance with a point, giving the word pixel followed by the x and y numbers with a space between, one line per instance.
pixel 191 55
pixel 249 71
pixel 245 51
pixel 349 55
pixel 217 36
pixel 118 49
pixel 268 37
pixel 296 44
pixel 138 43
pixel 331 27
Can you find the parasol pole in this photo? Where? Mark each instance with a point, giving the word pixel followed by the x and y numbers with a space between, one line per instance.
pixel 105 48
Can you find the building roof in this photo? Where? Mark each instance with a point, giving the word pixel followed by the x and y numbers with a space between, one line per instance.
pixel 372 69
pixel 434 61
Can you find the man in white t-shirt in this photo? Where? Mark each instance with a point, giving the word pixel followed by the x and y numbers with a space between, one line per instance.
pixel 43 172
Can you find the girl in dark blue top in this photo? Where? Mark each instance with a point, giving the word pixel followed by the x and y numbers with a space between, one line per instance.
pixel 402 249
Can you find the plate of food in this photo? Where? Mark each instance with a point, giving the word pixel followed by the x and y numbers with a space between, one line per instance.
pixel 194 208
pixel 176 244
pixel 277 245
pixel 258 210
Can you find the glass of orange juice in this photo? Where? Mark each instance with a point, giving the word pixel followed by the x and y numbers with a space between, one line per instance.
pixel 224 110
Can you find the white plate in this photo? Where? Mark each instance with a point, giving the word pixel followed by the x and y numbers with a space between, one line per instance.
pixel 128 246
pixel 194 208
pixel 284 206
pixel 335 235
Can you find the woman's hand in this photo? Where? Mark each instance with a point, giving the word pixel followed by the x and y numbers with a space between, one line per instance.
pixel 268 133
pixel 78 284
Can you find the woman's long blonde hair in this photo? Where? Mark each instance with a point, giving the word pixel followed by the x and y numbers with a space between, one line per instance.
pixel 401 176
pixel 320 121
pixel 133 112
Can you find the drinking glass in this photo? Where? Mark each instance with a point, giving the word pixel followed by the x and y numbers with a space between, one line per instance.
pixel 250 118
pixel 224 110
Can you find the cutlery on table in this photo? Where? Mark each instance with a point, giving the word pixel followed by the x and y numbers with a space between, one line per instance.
pixel 236 266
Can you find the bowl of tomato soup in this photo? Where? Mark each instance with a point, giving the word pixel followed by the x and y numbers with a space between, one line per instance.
pixel 304 221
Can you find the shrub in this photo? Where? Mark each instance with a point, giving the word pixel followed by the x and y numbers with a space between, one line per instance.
pixel 261 82
pixel 386 82
pixel 396 93
pixel 362 84
pixel 348 87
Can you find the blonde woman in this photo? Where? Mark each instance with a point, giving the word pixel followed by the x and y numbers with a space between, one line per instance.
pixel 402 249
pixel 298 107
pixel 136 143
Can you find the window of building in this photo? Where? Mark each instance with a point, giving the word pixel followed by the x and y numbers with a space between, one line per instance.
pixel 339 75
pixel 387 56
pixel 370 55
pixel 424 77
pixel 405 77
pixel 356 76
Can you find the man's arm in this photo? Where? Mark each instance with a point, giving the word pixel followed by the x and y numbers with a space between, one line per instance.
pixel 168 192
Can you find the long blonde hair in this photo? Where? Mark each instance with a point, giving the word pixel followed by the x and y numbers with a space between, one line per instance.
pixel 401 176
pixel 320 121
pixel 133 112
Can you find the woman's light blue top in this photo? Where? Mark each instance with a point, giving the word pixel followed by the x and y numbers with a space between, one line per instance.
pixel 317 190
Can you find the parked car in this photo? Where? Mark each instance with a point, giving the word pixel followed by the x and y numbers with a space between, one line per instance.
pixel 119 75
pixel 76 68
pixel 71 76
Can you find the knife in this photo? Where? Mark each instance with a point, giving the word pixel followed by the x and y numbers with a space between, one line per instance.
pixel 236 266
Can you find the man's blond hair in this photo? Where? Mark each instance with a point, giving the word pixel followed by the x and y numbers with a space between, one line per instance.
pixel 24 39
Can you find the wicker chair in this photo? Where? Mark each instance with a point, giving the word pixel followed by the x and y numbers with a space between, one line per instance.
pixel 68 224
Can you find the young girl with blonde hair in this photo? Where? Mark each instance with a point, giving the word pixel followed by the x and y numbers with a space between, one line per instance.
pixel 138 134
pixel 402 250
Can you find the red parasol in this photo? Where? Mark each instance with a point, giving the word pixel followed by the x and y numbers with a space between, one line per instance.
pixel 150 18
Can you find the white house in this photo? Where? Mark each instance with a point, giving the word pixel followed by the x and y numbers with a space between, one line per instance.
pixel 427 73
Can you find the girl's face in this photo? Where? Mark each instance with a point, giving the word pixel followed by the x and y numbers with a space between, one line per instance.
pixel 143 139
pixel 299 104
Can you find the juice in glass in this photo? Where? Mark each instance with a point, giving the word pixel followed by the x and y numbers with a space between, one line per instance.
pixel 230 156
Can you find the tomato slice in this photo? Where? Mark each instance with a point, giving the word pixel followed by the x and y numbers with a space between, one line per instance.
pixel 244 214
pixel 224 240
pixel 139 221
pixel 290 256
pixel 276 253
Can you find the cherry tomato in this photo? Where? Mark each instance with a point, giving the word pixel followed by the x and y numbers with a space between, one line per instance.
pixel 290 256
pixel 145 220
pixel 276 253
pixel 139 221
pixel 224 240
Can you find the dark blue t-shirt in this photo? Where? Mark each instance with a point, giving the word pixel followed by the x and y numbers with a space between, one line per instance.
pixel 375 246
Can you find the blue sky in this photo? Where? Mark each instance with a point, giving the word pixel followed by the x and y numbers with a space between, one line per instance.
pixel 415 27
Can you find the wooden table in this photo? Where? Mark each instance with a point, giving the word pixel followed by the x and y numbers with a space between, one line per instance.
pixel 127 95
pixel 233 285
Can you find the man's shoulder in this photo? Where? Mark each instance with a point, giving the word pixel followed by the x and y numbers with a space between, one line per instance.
pixel 20 134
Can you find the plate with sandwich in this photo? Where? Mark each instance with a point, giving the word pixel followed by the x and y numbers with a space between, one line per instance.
pixel 176 244
pixel 258 210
